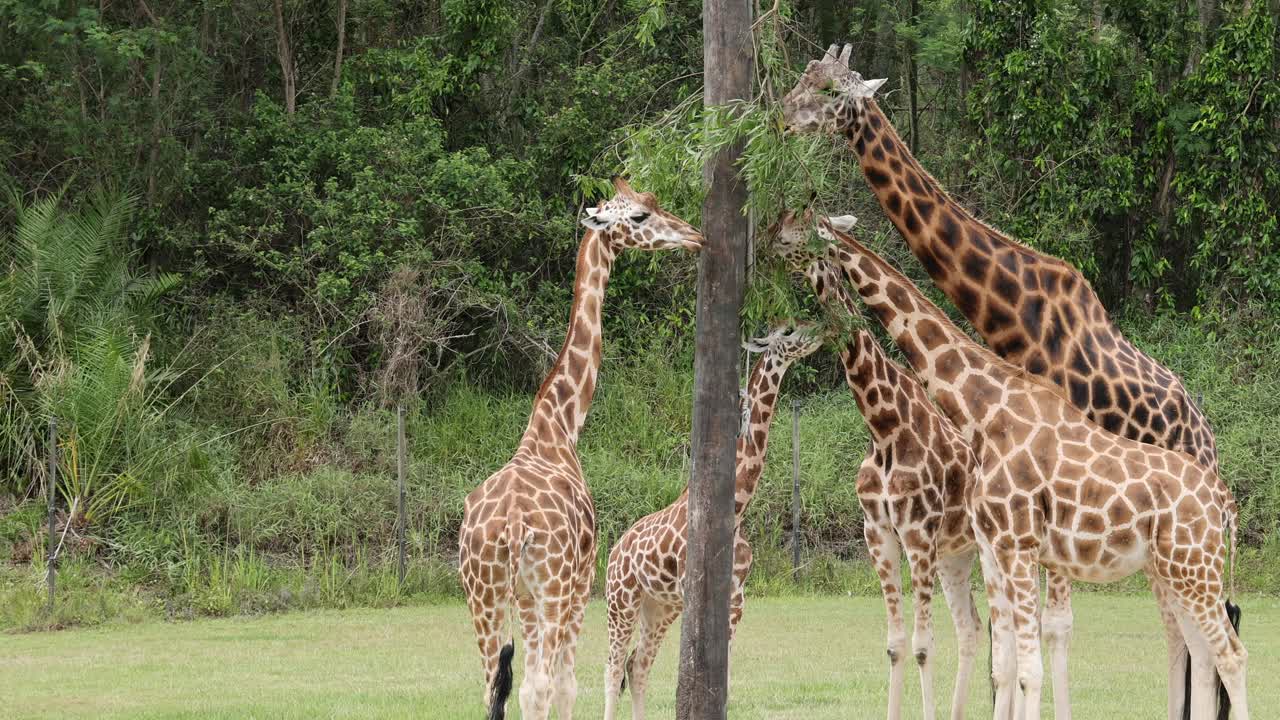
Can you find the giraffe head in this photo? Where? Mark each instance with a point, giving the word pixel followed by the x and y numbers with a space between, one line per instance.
pixel 633 220
pixel 787 344
pixel 829 97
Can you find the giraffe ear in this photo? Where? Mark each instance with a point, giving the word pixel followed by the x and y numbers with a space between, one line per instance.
pixel 755 345
pixel 595 219
pixel 868 88
pixel 843 223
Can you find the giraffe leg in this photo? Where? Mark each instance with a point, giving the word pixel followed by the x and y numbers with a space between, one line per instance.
pixel 539 688
pixel 655 620
pixel 1228 653
pixel 882 545
pixel 921 562
pixel 1179 658
pixel 488 619
pixel 1055 627
pixel 954 572
pixel 623 604
pixel 1004 664
pixel 1203 687
pixel 566 678
pixel 742 558
pixel 1022 574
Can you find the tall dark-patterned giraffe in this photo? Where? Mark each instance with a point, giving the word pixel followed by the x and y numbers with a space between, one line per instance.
pixel 1032 309
pixel 1054 488
pixel 528 537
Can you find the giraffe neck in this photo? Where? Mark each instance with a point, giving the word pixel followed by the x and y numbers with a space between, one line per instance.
pixel 829 286
pixel 878 384
pixel 939 231
pixel 762 398
pixel 965 378
pixel 561 405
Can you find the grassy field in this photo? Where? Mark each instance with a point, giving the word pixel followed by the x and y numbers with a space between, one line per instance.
pixel 811 657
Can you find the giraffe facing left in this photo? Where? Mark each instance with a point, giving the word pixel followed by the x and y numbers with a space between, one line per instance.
pixel 527 546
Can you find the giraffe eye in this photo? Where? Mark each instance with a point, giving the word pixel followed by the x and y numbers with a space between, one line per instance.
pixel 639 218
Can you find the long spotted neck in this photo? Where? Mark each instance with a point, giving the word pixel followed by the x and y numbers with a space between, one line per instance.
pixel 829 286
pixel 762 398
pixel 965 378
pixel 1007 290
pixel 561 405
pixel 878 386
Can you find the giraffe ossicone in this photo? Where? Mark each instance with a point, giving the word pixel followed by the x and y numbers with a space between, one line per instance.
pixel 527 545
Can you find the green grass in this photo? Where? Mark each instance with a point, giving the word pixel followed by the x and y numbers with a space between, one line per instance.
pixel 813 658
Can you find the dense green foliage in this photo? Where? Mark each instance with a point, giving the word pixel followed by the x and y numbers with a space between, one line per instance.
pixel 216 339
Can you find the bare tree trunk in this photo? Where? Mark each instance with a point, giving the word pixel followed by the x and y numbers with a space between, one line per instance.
pixel 342 39
pixel 285 55
pixel 704 644
pixel 523 62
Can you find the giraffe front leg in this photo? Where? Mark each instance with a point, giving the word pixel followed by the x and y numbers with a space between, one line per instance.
pixel 882 545
pixel 1004 665
pixel 954 571
pixel 921 561
pixel 1056 623
pixel 1021 575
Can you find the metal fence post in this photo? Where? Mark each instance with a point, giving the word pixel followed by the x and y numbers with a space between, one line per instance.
pixel 400 471
pixel 50 557
pixel 795 487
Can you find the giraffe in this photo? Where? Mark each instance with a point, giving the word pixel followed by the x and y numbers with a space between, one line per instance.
pixel 645 575
pixel 1055 488
pixel 1032 309
pixel 911 486
pixel 528 531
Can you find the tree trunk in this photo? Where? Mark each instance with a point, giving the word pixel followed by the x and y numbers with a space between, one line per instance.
pixel 342 40
pixel 704 644
pixel 285 55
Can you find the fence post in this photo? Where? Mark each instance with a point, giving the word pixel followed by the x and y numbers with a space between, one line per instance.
pixel 400 471
pixel 50 557
pixel 795 487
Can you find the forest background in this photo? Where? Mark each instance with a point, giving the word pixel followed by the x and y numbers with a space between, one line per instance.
pixel 235 234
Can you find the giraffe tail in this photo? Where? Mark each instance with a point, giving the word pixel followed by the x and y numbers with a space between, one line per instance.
pixel 1233 613
pixel 503 679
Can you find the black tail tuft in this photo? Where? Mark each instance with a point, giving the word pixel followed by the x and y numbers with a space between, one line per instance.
pixel 501 689
pixel 1224 700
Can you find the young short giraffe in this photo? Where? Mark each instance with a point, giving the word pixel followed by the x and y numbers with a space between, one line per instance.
pixel 1034 310
pixel 528 532
pixel 1054 488
pixel 645 575
pixel 911 487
